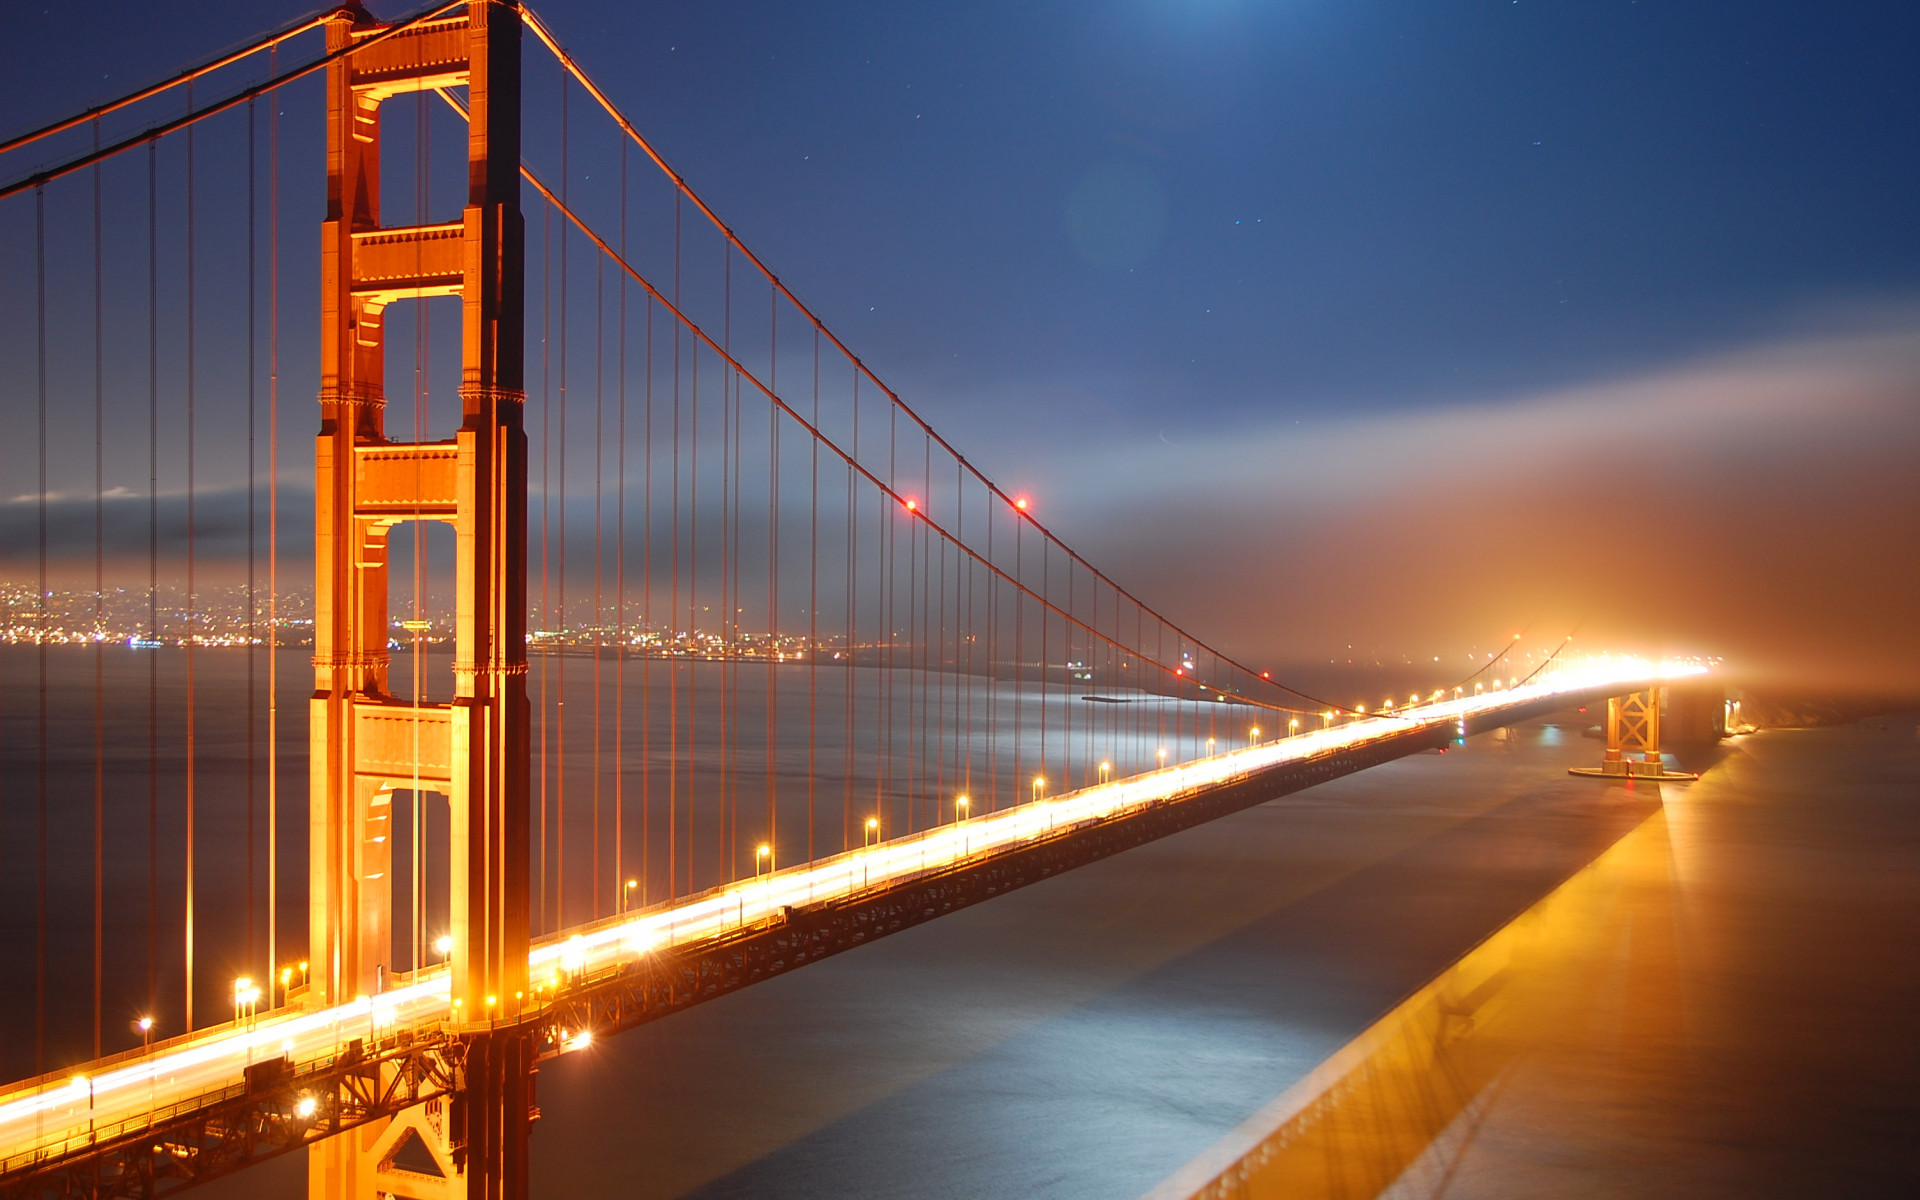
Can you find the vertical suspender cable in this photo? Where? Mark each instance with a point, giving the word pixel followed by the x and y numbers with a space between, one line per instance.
pixel 993 666
pixel 153 577
pixel 774 653
pixel 673 597
pixel 813 602
pixel 1045 581
pixel 252 488
pixel 851 675
pixel 599 639
pixel 693 586
pixel 727 838
pixel 672 613
pixel 99 600
pixel 191 607
pixel 546 441
pixel 273 531
pixel 40 639
pixel 646 625
pixel 889 569
pixel 620 569
pixel 560 570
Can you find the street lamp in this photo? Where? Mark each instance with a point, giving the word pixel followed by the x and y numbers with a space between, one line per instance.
pixel 1106 768
pixel 443 946
pixel 764 852
pixel 1293 725
pixel 873 831
pixel 1253 737
pixel 1162 755
pixel 145 1026
pixel 626 894
pixel 246 1000
pixel 286 982
pixel 85 1081
pixel 1209 747
pixel 960 808
pixel 1039 785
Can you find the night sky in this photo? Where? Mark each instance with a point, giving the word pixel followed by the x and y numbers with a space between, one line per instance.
pixel 1396 326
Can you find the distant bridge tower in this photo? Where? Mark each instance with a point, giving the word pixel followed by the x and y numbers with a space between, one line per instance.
pixel 1633 740
pixel 365 741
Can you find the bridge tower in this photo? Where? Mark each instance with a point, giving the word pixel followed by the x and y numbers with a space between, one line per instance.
pixel 366 741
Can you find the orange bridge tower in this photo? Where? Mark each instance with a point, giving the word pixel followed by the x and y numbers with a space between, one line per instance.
pixel 365 741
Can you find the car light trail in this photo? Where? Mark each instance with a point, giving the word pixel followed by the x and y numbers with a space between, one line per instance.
pixel 124 1095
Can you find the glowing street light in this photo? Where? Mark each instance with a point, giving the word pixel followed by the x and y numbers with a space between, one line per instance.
pixel 960 807
pixel 1209 747
pixel 873 831
pixel 1293 725
pixel 1106 769
pixel 304 1107
pixel 443 946
pixel 1253 736
pixel 763 853
pixel 1162 755
pixel 245 998
pixel 84 1082
pixel 1039 786
pixel 626 894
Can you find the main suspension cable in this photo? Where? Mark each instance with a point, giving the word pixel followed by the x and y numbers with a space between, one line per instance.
pixel 574 69
pixel 193 116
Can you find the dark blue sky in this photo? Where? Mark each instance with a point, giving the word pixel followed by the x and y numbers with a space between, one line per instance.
pixel 1283 228
pixel 1229 205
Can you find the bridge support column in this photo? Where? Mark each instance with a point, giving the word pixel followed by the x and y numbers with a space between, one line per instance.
pixel 365 741
pixel 1633 740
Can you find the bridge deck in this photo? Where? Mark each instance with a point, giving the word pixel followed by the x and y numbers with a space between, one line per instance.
pixel 231 1094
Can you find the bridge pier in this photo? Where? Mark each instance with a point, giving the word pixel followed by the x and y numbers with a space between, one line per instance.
pixel 471 1140
pixel 1633 740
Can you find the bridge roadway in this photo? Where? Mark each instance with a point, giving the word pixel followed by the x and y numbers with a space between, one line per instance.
pixel 226 1095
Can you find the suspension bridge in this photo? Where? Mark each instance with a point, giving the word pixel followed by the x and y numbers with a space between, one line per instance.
pixel 625 643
